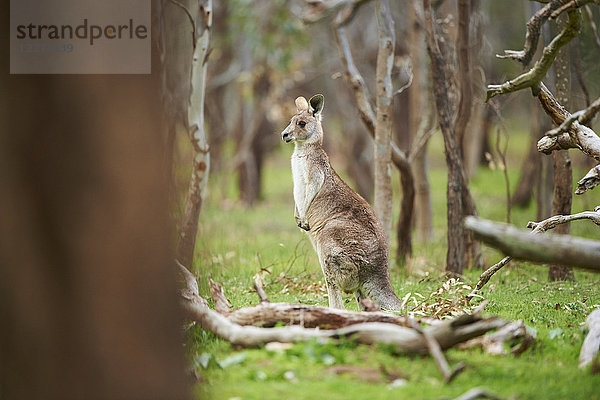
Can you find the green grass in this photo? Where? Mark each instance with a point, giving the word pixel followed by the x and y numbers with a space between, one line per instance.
pixel 235 242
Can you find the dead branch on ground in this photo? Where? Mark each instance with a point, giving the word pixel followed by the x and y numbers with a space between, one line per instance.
pixel 446 333
pixel 514 334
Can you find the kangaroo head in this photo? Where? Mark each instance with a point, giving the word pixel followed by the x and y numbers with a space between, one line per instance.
pixel 305 126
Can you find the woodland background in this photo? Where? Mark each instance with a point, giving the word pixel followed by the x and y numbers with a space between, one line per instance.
pixel 97 201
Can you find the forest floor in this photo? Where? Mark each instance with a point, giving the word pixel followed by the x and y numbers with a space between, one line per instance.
pixel 236 242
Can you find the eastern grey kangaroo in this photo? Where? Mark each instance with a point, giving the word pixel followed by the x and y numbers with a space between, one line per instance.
pixel 343 228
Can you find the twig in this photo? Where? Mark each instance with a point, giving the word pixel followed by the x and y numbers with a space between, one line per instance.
pixel 409 71
pixel 258 286
pixel 222 305
pixel 436 352
pixel 552 222
pixel 584 117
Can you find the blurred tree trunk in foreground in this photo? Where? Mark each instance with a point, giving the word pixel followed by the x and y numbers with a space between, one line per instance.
pixel 88 294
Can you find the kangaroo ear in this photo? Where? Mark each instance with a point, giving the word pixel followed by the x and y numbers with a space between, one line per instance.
pixel 316 104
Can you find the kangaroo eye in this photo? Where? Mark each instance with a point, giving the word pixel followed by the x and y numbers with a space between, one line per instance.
pixel 302 124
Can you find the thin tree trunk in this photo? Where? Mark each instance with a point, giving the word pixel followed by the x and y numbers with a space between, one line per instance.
pixel 419 101
pixel 441 78
pixel 202 11
pixel 383 125
pixel 563 174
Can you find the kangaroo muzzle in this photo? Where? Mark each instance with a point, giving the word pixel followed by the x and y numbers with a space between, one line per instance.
pixel 286 136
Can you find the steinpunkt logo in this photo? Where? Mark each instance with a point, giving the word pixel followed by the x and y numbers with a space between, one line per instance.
pixel 80 37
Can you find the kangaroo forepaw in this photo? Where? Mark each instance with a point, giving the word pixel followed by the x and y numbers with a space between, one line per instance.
pixel 302 224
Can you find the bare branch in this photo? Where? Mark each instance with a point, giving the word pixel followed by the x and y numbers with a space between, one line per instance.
pixel 532 36
pixel 589 181
pixel 552 222
pixel 533 77
pixel 578 135
pixel 570 5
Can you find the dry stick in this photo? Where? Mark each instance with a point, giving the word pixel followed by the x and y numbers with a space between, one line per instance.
pixel 476 393
pixel 537 227
pixel 258 286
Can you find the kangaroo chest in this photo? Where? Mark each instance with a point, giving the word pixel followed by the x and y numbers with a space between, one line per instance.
pixel 299 177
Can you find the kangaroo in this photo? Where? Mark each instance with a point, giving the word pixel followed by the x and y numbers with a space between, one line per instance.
pixel 344 230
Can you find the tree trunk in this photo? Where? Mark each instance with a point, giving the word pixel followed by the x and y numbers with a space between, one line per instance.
pixel 87 292
pixel 194 122
pixel 563 174
pixel 383 125
pixel 463 73
pixel 441 78
pixel 532 163
pixel 419 100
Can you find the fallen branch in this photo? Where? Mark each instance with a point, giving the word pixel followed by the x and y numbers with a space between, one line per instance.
pixel 446 333
pixel 551 248
pixel 514 334
pixel 591 343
